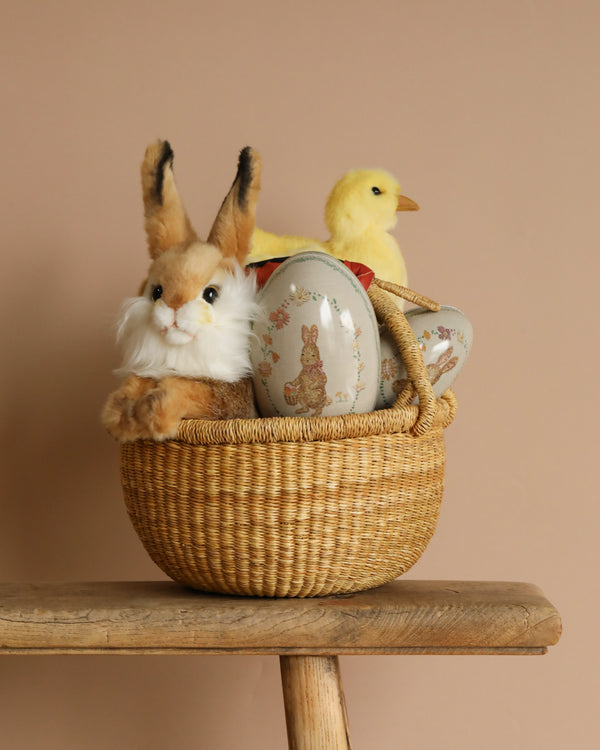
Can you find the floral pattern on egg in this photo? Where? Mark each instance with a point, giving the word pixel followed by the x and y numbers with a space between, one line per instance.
pixel 293 391
pixel 310 355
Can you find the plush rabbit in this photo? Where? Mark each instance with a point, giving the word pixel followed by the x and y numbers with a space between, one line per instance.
pixel 309 386
pixel 186 337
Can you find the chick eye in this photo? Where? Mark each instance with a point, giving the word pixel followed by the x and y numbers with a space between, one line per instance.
pixel 210 294
pixel 157 292
pixel 376 191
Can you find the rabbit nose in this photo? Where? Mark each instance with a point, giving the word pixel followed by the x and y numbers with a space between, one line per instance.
pixel 175 302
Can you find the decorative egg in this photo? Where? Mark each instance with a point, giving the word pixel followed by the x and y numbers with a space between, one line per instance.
pixel 445 339
pixel 315 348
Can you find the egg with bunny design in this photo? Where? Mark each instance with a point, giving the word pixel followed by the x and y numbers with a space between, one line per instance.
pixel 315 345
pixel 444 337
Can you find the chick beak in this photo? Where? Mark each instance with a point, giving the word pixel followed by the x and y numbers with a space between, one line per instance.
pixel 406 204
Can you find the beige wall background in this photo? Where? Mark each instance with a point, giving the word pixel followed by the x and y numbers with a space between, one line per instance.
pixel 488 112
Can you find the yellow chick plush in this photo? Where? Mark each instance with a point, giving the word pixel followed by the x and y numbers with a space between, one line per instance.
pixel 359 213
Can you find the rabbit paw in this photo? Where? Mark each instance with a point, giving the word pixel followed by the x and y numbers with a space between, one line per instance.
pixel 155 418
pixel 131 416
pixel 119 418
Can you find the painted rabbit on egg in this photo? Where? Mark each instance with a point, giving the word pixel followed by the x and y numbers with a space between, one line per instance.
pixel 185 339
pixel 309 387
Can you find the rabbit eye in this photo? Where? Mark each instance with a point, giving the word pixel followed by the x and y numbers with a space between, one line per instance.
pixel 157 292
pixel 376 191
pixel 210 294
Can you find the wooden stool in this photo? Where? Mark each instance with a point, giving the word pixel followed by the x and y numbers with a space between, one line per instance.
pixel 403 617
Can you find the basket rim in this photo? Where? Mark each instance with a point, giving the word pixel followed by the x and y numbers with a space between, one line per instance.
pixel 397 419
pixel 430 413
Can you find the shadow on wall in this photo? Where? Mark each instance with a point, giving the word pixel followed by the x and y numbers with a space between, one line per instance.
pixel 61 510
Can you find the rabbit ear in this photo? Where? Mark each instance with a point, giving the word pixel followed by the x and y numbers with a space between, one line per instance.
pixel 167 223
pixel 445 356
pixel 234 225
pixel 450 365
pixel 305 334
pixel 314 334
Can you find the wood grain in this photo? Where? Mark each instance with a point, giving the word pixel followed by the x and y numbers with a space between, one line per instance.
pixel 403 617
pixel 315 708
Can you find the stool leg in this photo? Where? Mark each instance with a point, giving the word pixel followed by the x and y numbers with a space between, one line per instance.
pixel 315 709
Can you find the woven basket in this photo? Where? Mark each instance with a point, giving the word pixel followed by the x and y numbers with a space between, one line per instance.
pixel 296 506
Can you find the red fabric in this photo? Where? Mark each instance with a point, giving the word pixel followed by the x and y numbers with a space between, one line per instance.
pixel 264 272
pixel 363 273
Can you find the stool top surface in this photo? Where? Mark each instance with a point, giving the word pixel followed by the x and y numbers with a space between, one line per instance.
pixel 402 617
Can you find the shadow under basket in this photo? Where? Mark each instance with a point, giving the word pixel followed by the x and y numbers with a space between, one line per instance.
pixel 296 506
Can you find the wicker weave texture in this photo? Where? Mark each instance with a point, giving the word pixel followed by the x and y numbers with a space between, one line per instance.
pixel 286 519
pixel 297 506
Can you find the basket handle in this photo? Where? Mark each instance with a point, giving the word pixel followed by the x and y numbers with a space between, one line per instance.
pixel 408 346
pixel 408 294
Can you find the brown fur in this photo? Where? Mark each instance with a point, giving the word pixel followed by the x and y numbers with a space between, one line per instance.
pixel 185 273
pixel 145 408
pixel 235 211
pixel 167 222
pixel 151 409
